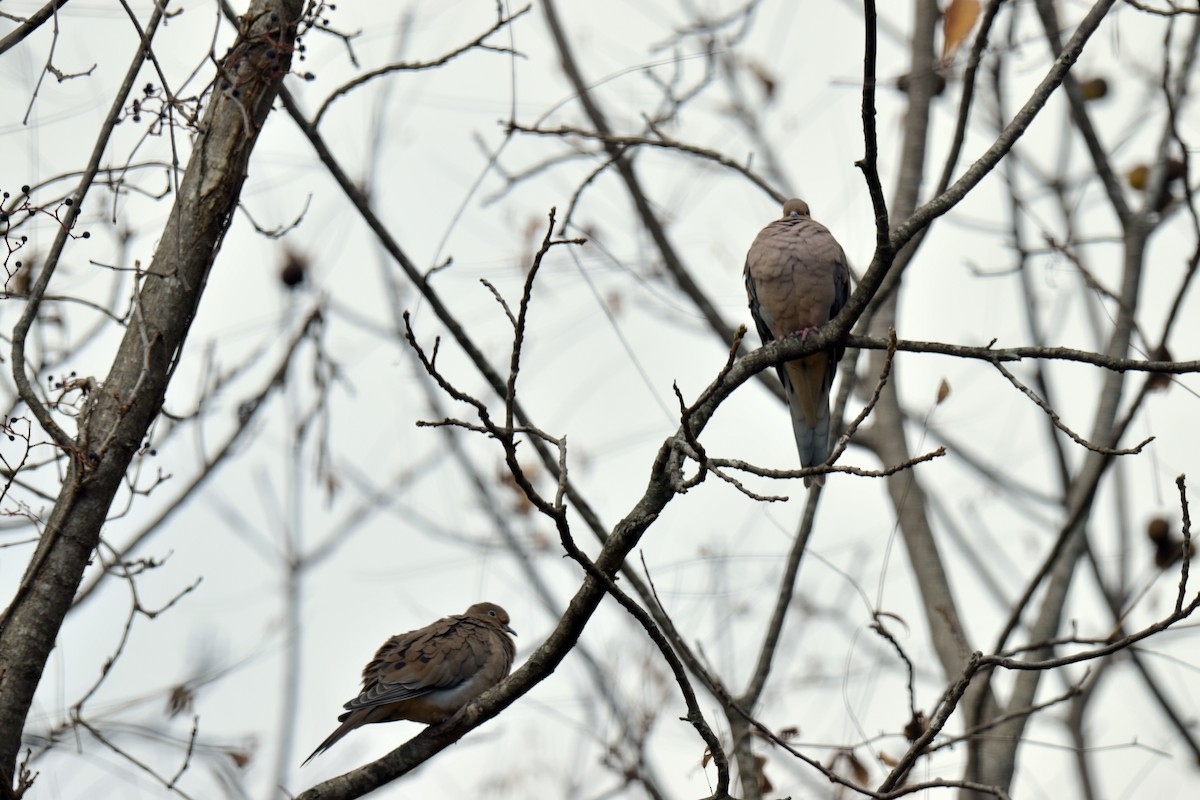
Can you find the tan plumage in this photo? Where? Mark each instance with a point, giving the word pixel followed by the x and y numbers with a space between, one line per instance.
pixel 797 280
pixel 429 675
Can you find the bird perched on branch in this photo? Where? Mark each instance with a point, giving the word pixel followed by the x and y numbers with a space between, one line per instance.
pixel 797 280
pixel 429 675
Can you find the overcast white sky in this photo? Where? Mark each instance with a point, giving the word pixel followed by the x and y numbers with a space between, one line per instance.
pixel 604 383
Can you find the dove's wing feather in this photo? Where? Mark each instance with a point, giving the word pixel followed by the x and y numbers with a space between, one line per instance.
pixel 428 675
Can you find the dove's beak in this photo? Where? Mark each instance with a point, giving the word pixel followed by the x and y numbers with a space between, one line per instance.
pixel 510 630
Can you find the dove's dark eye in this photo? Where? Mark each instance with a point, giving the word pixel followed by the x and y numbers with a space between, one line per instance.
pixel 491 613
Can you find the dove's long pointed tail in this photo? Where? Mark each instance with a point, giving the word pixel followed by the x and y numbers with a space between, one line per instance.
pixel 808 383
pixel 812 442
pixel 350 724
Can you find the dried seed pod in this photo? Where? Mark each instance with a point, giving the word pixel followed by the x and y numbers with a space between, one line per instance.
pixel 1094 88
pixel 294 269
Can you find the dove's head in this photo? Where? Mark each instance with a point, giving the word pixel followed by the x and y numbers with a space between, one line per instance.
pixel 795 208
pixel 492 614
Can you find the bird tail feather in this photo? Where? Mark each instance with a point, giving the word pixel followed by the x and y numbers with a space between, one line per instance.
pixel 808 403
pixel 347 726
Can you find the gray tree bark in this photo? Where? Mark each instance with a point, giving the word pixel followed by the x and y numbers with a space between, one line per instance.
pixel 119 411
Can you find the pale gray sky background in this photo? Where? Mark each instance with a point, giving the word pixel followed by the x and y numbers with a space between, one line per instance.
pixel 428 550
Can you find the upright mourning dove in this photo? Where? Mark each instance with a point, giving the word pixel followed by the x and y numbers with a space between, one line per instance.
pixel 428 675
pixel 797 280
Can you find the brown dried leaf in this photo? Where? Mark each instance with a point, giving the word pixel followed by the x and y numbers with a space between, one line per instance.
pixel 943 392
pixel 505 478
pixel 180 700
pixel 959 19
pixel 1159 381
pixel 764 783
pixel 858 769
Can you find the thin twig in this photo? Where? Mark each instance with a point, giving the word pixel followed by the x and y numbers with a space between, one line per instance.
pixel 478 43
pixel 661 142
pixel 523 312
pixel 1181 483
pixel 884 374
pixel 1058 423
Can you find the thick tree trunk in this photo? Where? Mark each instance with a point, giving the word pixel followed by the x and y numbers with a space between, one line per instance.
pixel 119 411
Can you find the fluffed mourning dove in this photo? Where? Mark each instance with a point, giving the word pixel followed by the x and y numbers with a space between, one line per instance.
pixel 428 675
pixel 797 280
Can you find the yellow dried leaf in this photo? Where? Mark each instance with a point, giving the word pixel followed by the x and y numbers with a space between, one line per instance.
pixel 957 22
pixel 943 391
